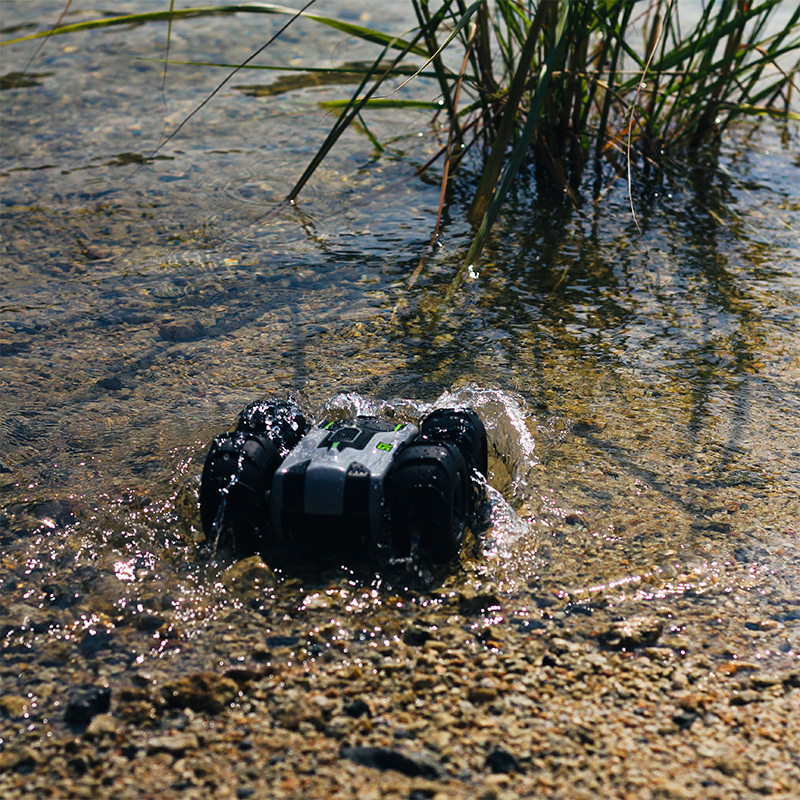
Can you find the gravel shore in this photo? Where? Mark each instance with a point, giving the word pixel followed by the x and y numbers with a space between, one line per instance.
pixel 466 694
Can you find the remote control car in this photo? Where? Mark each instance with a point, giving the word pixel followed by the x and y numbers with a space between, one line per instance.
pixel 363 485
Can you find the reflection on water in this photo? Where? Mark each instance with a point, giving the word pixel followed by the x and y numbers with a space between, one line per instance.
pixel 638 378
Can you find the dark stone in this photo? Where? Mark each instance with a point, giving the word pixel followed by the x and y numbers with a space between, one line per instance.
pixel 94 641
pixel 501 761
pixel 181 331
pixel 471 601
pixel 549 660
pixel 416 637
pixel 530 625
pixel 579 608
pixel 358 708
pixel 60 511
pixel 112 383
pixel 282 641
pixel 415 765
pixel 86 702
pixel 684 719
pixel 78 764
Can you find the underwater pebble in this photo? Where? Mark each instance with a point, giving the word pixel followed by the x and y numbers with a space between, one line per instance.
pixel 14 706
pixel 249 576
pixel 101 725
pixel 633 632
pixel 180 331
pixel 85 702
pixel 201 691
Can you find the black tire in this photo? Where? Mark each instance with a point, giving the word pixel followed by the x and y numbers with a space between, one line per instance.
pixel 237 476
pixel 463 428
pixel 427 495
pixel 281 421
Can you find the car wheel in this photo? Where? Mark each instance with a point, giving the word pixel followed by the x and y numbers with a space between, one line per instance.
pixel 428 495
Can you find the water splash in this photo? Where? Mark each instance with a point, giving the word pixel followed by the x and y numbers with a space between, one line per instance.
pixel 512 457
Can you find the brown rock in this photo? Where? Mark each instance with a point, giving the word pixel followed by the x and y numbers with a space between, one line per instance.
pixel 201 691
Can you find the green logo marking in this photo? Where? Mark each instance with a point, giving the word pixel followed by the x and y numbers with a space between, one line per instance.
pixel 384 446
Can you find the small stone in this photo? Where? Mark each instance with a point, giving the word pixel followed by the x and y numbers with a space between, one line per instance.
pixel 248 576
pixel 792 679
pixel 762 680
pixel 180 331
pixel 175 743
pixel 357 708
pixel 684 719
pixel 500 761
pixel 744 698
pixel 483 692
pixel 471 601
pixel 634 632
pixel 754 624
pixel 101 725
pixel 14 706
pixel 301 712
pixel 693 701
pixel 95 252
pixel 112 383
pixel 423 682
pixel 201 691
pixel 22 758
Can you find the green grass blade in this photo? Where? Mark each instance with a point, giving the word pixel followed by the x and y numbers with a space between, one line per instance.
pixel 367 34
pixel 382 103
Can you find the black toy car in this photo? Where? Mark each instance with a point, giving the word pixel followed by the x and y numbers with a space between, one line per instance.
pixel 363 485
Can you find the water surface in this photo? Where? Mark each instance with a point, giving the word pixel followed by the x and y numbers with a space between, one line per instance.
pixel 639 377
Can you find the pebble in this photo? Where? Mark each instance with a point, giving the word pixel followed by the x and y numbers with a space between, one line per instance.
pixel 501 761
pixel 631 633
pixel 175 743
pixel 248 577
pixel 101 725
pixel 14 706
pixel 180 330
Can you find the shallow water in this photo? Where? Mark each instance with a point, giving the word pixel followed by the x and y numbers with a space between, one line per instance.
pixel 639 378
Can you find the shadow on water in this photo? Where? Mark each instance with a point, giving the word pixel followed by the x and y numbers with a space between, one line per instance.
pixel 638 380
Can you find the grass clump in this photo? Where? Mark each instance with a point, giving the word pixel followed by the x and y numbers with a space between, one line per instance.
pixel 562 84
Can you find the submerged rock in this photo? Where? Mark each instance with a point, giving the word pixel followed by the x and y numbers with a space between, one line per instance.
pixel 633 632
pixel 201 691
pixel 86 702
